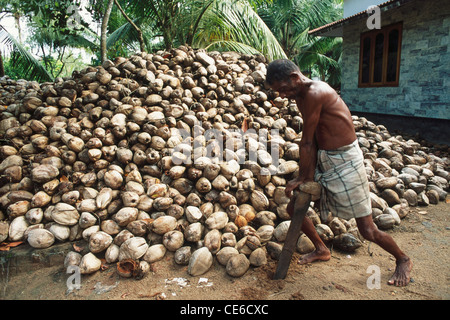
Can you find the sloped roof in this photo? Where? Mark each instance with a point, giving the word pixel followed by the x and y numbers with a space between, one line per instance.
pixel 334 29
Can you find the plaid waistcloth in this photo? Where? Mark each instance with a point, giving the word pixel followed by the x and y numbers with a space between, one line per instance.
pixel 345 187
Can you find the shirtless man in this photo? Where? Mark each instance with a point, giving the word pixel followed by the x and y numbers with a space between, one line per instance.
pixel 329 146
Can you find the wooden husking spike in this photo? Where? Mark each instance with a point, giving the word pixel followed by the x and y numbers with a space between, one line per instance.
pixel 309 191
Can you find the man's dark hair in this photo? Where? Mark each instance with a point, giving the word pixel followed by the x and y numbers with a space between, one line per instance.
pixel 279 70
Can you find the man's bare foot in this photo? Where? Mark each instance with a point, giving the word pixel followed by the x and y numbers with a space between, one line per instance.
pixel 317 255
pixel 401 276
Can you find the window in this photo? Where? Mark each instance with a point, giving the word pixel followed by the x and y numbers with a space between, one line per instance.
pixel 379 63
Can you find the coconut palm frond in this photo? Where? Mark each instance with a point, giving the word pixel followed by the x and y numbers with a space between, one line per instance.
pixel 227 45
pixel 22 59
pixel 324 55
pixel 237 21
pixel 124 33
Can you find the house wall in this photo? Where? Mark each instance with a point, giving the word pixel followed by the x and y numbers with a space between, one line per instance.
pixel 424 84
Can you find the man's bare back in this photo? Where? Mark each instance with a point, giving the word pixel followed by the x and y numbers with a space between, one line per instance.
pixel 335 126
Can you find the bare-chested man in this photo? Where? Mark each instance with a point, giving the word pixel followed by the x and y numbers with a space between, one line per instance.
pixel 330 155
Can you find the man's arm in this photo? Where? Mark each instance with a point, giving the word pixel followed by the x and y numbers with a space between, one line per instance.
pixel 311 110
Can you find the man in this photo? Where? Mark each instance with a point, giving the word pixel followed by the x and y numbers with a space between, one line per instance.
pixel 330 155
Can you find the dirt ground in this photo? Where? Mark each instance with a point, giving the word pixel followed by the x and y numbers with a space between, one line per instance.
pixel 424 235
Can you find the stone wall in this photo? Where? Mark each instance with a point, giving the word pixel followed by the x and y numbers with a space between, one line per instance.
pixel 424 85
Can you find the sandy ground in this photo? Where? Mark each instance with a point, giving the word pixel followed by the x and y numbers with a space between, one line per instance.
pixel 424 235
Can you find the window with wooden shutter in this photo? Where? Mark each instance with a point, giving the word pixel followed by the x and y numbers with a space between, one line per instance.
pixel 379 64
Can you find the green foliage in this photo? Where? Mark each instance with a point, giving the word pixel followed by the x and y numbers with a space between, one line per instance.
pixel 51 37
pixel 23 61
pixel 290 21
pixel 235 25
pixel 274 28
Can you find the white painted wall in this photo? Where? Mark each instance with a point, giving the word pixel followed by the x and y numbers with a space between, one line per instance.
pixel 352 7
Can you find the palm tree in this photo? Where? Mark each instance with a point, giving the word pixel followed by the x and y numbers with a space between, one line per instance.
pixel 103 33
pixel 322 57
pixel 13 48
pixel 22 59
pixel 236 25
pixel 50 37
pixel 290 21
pixel 273 28
pixel 210 24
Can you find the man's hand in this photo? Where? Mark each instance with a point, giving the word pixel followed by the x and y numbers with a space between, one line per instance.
pixel 291 186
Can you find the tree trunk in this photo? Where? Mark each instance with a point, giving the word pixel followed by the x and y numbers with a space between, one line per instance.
pixel 17 21
pixel 138 30
pixel 2 68
pixel 104 29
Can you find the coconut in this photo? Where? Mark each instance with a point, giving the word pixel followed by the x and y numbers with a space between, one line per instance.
pixel 213 240
pixel 40 238
pixel 125 215
pixel 60 232
pixel 200 262
pixel 104 198
pixel 258 257
pixel 89 263
pixel 99 241
pixel 72 258
pixel 237 265
pixel 346 242
pixel 17 228
pixel 281 230
pixel 44 173
pixel 154 253
pixel 4 229
pixel 65 214
pixel 193 232
pixel 133 248
pixel 112 253
pixel 173 240
pixel 225 254
pixel 217 220
pixel 164 224
pixel 183 255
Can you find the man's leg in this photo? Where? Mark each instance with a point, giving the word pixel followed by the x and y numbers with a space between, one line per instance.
pixel 370 231
pixel 321 253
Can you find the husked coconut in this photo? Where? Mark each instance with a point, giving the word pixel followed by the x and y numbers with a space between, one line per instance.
pixel 99 241
pixel 40 238
pixel 154 253
pixel 173 240
pixel 65 214
pixel 112 253
pixel 72 258
pixel 183 255
pixel 237 265
pixel 133 248
pixel 200 262
pixel 17 228
pixel 125 215
pixel 164 224
pixel 89 263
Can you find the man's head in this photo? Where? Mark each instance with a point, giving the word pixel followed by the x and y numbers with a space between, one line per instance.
pixel 281 76
pixel 280 70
